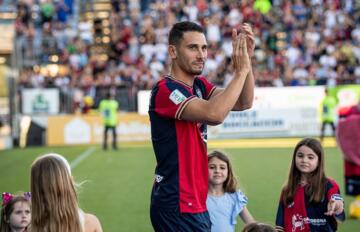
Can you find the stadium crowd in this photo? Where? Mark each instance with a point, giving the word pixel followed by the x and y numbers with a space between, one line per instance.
pixel 299 42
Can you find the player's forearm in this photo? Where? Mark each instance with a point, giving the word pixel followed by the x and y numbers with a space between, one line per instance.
pixel 223 103
pixel 246 97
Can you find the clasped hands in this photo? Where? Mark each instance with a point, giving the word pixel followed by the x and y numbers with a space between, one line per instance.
pixel 243 48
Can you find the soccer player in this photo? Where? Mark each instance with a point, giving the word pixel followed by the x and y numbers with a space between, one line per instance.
pixel 181 106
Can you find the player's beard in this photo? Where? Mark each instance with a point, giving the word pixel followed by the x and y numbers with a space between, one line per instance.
pixel 194 71
pixel 189 67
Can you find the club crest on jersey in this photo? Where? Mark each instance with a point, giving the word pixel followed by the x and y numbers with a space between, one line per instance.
pixel 158 178
pixel 177 97
pixel 297 222
pixel 198 93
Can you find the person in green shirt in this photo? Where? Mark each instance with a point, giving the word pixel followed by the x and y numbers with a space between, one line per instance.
pixel 328 106
pixel 109 108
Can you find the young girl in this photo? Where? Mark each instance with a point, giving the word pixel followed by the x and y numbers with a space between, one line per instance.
pixel 54 199
pixel 224 201
pixel 309 200
pixel 15 213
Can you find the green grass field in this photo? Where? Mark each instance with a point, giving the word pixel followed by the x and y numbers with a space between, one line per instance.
pixel 117 184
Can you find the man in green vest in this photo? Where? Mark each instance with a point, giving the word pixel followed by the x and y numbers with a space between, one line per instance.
pixel 328 106
pixel 109 109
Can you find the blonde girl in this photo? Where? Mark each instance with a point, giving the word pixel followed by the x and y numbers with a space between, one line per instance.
pixel 54 200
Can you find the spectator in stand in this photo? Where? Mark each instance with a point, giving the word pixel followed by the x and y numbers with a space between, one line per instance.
pixel 47 10
pixel 321 35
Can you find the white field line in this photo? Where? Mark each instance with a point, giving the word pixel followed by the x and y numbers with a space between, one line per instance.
pixel 82 156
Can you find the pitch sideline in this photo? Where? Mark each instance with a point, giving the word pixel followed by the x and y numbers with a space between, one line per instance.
pixel 81 157
pixel 243 143
pixel 263 143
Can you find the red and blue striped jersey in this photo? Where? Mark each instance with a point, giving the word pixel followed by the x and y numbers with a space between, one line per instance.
pixel 181 174
pixel 305 216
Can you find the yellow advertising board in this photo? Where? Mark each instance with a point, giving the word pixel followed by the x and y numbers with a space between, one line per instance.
pixel 88 129
pixel 3 84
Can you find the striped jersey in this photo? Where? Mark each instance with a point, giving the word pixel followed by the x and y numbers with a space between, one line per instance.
pixel 181 174
pixel 304 216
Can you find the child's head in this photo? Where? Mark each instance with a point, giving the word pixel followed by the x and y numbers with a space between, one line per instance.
pixel 308 159
pixel 258 227
pixel 15 212
pixel 54 197
pixel 220 171
pixel 307 167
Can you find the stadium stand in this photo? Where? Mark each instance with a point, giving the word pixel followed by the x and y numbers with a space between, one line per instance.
pixel 87 47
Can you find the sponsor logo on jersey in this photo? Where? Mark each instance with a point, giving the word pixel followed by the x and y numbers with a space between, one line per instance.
pixel 198 93
pixel 177 97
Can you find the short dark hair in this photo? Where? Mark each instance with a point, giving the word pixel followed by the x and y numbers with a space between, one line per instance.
pixel 178 30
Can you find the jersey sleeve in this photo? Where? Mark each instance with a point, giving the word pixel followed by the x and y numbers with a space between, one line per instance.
pixel 171 99
pixel 279 222
pixel 333 192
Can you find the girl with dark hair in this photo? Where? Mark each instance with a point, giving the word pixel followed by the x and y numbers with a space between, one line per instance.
pixel 310 201
pixel 15 212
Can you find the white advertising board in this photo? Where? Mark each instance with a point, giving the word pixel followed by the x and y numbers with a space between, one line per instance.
pixel 264 98
pixel 276 112
pixel 288 97
pixel 253 123
pixel 40 101
pixel 143 101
